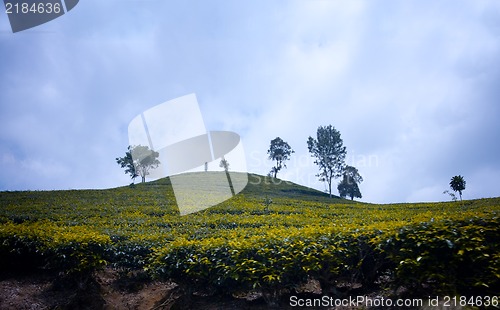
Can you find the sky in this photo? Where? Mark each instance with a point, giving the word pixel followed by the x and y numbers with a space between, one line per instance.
pixel 412 86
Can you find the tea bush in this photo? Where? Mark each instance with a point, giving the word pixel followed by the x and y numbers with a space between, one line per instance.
pixel 454 257
pixel 73 249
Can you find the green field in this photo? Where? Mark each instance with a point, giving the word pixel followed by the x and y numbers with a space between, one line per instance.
pixel 245 244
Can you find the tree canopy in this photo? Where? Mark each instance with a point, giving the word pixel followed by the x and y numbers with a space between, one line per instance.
pixel 224 164
pixel 127 162
pixel 457 184
pixel 279 151
pixel 138 161
pixel 349 184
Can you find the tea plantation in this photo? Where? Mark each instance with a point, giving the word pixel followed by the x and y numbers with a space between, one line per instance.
pixel 272 237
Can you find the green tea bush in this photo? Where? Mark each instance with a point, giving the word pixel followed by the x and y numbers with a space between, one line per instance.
pixel 42 244
pixel 269 262
pixel 449 257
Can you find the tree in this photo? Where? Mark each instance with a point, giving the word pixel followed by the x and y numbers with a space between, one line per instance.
pixel 144 160
pixel 329 152
pixel 139 160
pixel 128 162
pixel 224 164
pixel 279 151
pixel 349 184
pixel 457 184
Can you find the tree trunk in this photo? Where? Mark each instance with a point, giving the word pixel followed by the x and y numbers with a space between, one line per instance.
pixel 143 179
pixel 330 188
pixel 230 183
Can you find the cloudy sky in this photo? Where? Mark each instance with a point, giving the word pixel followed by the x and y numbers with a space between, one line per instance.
pixel 413 87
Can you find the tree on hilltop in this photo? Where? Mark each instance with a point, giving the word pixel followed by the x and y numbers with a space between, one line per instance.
pixel 127 162
pixel 279 151
pixel 329 152
pixel 224 164
pixel 349 184
pixel 457 184
pixel 138 161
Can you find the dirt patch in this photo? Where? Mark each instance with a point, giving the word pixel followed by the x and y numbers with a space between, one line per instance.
pixel 23 293
pixel 112 289
pixel 107 289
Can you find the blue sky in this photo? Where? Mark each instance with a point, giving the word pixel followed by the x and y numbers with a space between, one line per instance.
pixel 413 87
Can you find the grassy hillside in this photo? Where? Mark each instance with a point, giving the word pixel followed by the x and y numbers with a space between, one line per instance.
pixel 258 186
pixel 245 244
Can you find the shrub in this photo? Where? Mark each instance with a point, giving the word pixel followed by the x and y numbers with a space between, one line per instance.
pixel 43 244
pixel 451 257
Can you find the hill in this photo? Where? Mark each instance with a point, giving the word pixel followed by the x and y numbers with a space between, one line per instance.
pixel 258 186
pixel 301 243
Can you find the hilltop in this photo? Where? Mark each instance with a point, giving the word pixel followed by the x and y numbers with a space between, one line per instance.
pixel 258 186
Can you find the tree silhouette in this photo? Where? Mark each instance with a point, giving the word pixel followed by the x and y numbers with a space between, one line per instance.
pixel 128 162
pixel 457 184
pixel 224 164
pixel 139 160
pixel 329 152
pixel 349 184
pixel 279 151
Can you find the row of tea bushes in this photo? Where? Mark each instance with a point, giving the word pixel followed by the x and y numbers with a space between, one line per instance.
pixel 445 256
pixel 47 245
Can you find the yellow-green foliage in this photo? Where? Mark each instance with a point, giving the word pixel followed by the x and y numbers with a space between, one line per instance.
pixel 243 243
pixel 72 248
pixel 459 256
